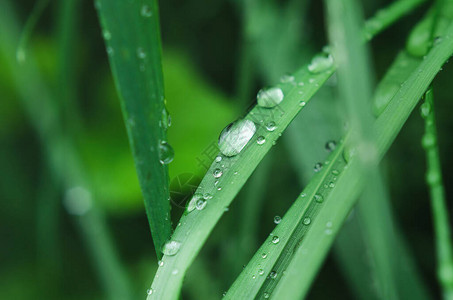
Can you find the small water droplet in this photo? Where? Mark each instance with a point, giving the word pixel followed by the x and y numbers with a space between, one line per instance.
pixel 207 196
pixel 261 272
pixel 429 140
pixel 277 219
pixel 263 255
pixel 166 118
pixel 149 291
pixel 317 167
pixel 166 153
pixel 302 103
pixel 106 34
pixel 266 295
pixel 201 204
pixel 171 248
pixel 320 63
pixel 275 240
pixel 160 263
pixel 146 11
pixel 307 221
pixel 335 172
pixel 219 188
pixel 318 198
pixel 425 109
pixel 110 50
pixel 217 173
pixel 141 53
pixel 330 146
pixel 273 274
pixel 193 202
pixel 286 78
pixel 270 126
pixel 261 140
pixel 77 201
pixel 235 137
pixel 269 97
pixel 218 159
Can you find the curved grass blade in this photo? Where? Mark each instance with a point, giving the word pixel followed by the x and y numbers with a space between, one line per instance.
pixel 132 36
pixel 38 9
pixel 195 226
pixel 438 201
pixel 317 241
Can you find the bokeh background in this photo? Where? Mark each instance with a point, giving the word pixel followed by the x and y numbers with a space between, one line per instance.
pixel 216 56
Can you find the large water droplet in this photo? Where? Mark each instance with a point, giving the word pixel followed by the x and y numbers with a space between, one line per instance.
pixel 320 63
pixel 235 137
pixel 171 248
pixel 166 153
pixel 193 202
pixel 269 97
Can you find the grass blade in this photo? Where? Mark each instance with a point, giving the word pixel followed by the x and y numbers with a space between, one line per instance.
pixel 195 226
pixel 134 49
pixel 438 201
pixel 316 242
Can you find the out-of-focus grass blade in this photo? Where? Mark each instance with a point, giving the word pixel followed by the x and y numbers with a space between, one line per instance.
pixel 195 226
pixel 61 157
pixel 438 201
pixel 36 13
pixel 318 239
pixel 132 35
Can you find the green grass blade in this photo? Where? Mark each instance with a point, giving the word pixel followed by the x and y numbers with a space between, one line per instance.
pixel 316 242
pixel 195 226
pixel 132 35
pixel 438 202
pixel 60 152
pixel 38 9
pixel 354 77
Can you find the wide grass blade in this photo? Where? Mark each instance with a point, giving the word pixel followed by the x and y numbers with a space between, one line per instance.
pixel 438 202
pixel 195 226
pixel 132 36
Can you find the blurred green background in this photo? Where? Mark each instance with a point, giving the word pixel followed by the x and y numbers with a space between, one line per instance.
pixel 216 56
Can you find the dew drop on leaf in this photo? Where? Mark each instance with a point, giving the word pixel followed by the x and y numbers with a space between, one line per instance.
pixel 261 140
pixel 320 63
pixel 277 219
pixel 269 97
pixel 166 153
pixel 275 240
pixel 171 248
pixel 235 137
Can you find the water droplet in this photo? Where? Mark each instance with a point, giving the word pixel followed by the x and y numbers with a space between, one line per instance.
pixel 331 184
pixel 201 204
pixel 277 219
pixel 166 153
pixel 273 274
pixel 219 188
pixel 318 198
pixel 307 221
pixel 269 97
pixel 261 272
pixel 254 276
pixel 286 78
pixel 141 53
pixel 263 255
pixel 320 63
pixel 171 248
pixel 317 167
pixel 275 240
pixel 335 172
pixel 193 202
pixel 425 109
pixel 146 11
pixel 302 103
pixel 110 50
pixel 261 140
pixel 207 196
pixel 270 126
pixel 266 295
pixel 330 146
pixel 77 201
pixel 218 159
pixel 175 271
pixel 166 118
pixel 160 263
pixel 149 291
pixel 217 173
pixel 106 34
pixel 235 137
pixel 428 140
